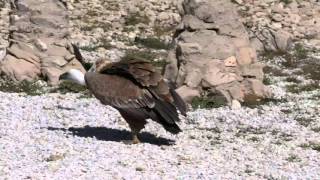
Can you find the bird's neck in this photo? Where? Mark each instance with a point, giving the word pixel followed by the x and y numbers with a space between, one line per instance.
pixel 78 78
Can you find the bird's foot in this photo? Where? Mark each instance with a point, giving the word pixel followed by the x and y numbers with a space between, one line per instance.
pixel 130 142
pixel 135 140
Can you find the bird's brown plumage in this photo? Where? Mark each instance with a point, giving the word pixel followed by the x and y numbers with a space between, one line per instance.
pixel 138 91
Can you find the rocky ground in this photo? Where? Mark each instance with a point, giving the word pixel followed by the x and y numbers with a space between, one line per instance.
pixel 58 136
pixel 73 136
pixel 109 29
pixel 45 135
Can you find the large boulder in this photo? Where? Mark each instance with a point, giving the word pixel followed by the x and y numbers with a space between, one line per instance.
pixel 19 69
pixel 213 53
pixel 39 42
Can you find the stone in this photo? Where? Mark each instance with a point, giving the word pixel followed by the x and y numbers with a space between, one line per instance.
pixel 40 45
pixel 211 47
pixel 239 1
pixel 278 8
pixel 192 23
pixel 189 48
pixel 3 52
pixel 132 36
pixel 282 39
pixel 293 18
pixel 22 6
pixel 230 62
pixel 276 25
pixel 277 17
pixel 255 91
pixel 246 55
pixel 19 69
pixel 214 76
pixel 52 74
pixel 257 44
pixel 22 37
pixel 240 42
pixel 252 70
pixel 193 77
pixel 56 61
pixel 21 54
pixel 73 64
pixel 171 69
pixel 235 104
pixel 187 93
pixel 37 27
pixel 69 57
pixel 232 90
pixel 54 50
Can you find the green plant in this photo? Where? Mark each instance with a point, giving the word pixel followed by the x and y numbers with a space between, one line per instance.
pixel 293 158
pixel 89 48
pixel 2 4
pixel 208 102
pixel 316 129
pixel 312 145
pixel 136 54
pixel 295 88
pixel 135 18
pixel 67 86
pixel 300 52
pixel 304 121
pixel 311 68
pixel 160 31
pixel 104 43
pixel 93 24
pixel 266 80
pixel 128 29
pixel 275 71
pixel 112 6
pixel 254 139
pixel 293 79
pixel 153 43
pixel 255 104
pixel 286 1
pixel 29 87
pixel 268 55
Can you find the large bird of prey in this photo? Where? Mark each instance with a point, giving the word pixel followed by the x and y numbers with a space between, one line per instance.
pixel 136 89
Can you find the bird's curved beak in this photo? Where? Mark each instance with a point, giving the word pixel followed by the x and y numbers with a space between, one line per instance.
pixel 64 76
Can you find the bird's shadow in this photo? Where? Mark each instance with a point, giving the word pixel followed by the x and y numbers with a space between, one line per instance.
pixel 109 134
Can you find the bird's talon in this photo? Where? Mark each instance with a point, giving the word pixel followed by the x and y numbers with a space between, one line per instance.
pixel 130 142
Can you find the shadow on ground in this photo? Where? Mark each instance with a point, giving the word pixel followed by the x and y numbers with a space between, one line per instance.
pixel 109 134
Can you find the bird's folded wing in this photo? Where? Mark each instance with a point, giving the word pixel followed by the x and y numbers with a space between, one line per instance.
pixel 144 75
pixel 140 71
pixel 118 91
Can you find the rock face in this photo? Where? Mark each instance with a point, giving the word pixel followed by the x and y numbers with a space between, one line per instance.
pixel 213 52
pixel 274 24
pixel 39 42
pixel 4 26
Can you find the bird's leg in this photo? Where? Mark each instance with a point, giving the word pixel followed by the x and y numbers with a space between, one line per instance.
pixel 135 139
pixel 135 121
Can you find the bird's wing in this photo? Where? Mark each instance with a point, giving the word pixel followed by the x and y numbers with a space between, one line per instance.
pixel 144 74
pixel 139 71
pixel 155 91
pixel 117 91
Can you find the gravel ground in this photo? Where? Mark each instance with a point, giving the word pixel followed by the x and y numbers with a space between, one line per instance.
pixel 56 136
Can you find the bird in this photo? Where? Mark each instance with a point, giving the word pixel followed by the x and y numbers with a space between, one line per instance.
pixel 135 88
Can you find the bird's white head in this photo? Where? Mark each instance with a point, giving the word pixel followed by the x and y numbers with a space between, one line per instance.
pixel 74 75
